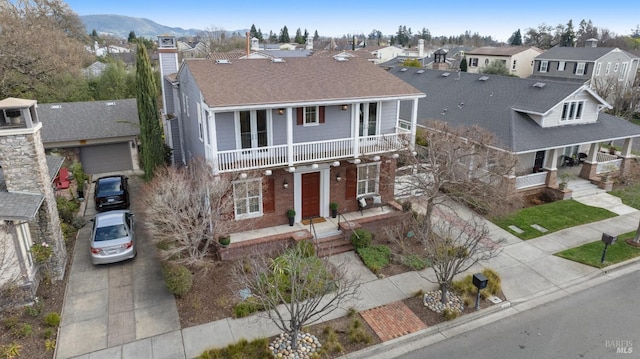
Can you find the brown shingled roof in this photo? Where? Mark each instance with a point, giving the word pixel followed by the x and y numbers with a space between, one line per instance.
pixel 500 51
pixel 262 82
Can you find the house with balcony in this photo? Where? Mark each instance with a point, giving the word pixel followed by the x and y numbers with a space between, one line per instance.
pixel 295 133
pixel 606 70
pixel 547 124
pixel 517 59
pixel 28 210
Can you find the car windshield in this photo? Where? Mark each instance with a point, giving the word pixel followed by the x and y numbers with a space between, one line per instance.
pixel 110 232
pixel 109 186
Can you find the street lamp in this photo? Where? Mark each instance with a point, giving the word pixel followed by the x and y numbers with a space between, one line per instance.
pixel 480 282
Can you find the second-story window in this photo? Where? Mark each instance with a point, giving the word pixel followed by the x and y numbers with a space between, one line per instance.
pixel 544 65
pixel 200 129
pixel 311 116
pixel 561 65
pixel 513 67
pixel 623 71
pixel 572 110
pixel 580 68
pixel 368 119
pixel 598 66
pixel 368 176
pixel 608 68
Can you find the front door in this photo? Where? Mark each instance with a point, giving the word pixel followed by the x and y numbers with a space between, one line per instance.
pixel 539 161
pixel 311 194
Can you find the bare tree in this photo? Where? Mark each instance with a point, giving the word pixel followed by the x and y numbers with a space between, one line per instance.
pixel 186 209
pixel 295 289
pixel 454 246
pixel 623 99
pixel 465 164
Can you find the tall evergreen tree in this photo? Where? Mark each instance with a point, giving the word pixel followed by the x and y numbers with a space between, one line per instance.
pixel 253 32
pixel 284 36
pixel 568 36
pixel 150 129
pixel 316 36
pixel 516 39
pixel 463 64
pixel 299 39
pixel 132 37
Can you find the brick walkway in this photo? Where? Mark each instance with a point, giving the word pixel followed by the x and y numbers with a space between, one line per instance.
pixel 392 320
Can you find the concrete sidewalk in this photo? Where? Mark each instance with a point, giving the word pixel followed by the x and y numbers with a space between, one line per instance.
pixel 530 274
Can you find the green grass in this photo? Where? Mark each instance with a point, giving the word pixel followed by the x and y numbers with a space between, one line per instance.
pixel 552 216
pixel 257 348
pixel 591 253
pixel 630 195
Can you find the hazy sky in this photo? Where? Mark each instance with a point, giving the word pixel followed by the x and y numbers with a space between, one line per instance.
pixel 497 18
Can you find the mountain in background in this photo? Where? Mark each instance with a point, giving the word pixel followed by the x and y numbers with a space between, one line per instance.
pixel 120 26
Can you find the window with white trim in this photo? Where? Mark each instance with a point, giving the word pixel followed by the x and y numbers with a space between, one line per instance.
pixel 368 178
pixel 311 116
pixel 200 129
pixel 580 68
pixel 247 198
pixel 544 65
pixel 561 65
pixel 608 68
pixel 513 66
pixel 186 105
pixel 623 71
pixel 473 62
pixel 572 110
pixel 598 66
pixel 615 67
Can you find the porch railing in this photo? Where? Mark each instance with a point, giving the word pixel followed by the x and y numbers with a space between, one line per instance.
pixel 531 180
pixel 609 166
pixel 307 152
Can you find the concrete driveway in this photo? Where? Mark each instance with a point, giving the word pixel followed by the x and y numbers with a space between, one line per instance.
pixel 110 305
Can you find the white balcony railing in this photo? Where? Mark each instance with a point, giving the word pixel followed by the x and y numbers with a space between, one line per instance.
pixel 308 152
pixel 531 180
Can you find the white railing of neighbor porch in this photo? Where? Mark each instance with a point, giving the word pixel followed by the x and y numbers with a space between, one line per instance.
pixel 530 180
pixel 609 166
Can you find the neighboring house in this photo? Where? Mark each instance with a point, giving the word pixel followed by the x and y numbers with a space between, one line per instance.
pixel 517 59
pixel 28 211
pixel 102 134
pixel 95 69
pixel 189 50
pixel 604 69
pixel 382 53
pixel 540 122
pixel 296 133
pixel 271 51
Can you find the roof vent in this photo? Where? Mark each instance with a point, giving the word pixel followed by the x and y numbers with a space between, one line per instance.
pixel 223 61
pixel 539 85
pixel 420 71
pixel 483 78
pixel 445 74
pixel 403 69
pixel 341 59
pixel 111 103
pixel 277 60
pixel 56 106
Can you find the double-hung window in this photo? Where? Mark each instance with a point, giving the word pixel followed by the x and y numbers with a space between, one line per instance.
pixel 311 116
pixel 561 65
pixel 623 71
pixel 580 68
pixel 368 178
pixel 247 198
pixel 544 65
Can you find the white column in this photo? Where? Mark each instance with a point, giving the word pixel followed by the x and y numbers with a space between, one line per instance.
pixel 213 147
pixel 355 118
pixel 592 156
pixel 289 119
pixel 414 122
pixel 551 162
pixel 626 148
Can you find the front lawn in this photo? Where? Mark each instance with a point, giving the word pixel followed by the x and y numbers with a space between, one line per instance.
pixel 630 195
pixel 591 253
pixel 553 217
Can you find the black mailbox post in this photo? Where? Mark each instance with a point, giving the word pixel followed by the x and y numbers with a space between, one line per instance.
pixel 480 282
pixel 608 240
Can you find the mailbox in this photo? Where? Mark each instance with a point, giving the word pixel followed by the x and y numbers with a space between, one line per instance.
pixel 608 239
pixel 480 281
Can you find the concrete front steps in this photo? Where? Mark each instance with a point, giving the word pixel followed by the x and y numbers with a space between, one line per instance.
pixel 583 188
pixel 333 244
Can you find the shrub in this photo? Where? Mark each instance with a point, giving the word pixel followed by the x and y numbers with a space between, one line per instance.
pixel 177 278
pixel 10 351
pixel 494 285
pixel 465 286
pixel 78 174
pixel 351 312
pixel 449 314
pixel 23 330
pixel 245 308
pixel 50 345
pixel 67 209
pixel 47 333
pixel 332 344
pixel 10 322
pixel 357 333
pixel 361 238
pixel 41 252
pixel 52 319
pixel 415 262
pixel 306 249
pixel 375 257
pixel 257 348
pixel 34 309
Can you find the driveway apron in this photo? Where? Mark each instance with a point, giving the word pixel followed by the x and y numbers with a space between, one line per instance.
pixel 110 305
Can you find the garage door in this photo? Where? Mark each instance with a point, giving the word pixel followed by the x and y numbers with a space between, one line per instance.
pixel 111 157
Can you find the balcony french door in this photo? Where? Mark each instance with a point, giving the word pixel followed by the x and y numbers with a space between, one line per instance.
pixel 253 129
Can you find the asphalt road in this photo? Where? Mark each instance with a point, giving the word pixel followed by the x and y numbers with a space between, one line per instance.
pixel 600 322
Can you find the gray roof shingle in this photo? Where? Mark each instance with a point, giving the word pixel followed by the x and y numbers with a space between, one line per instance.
pixel 490 104
pixel 577 53
pixel 73 121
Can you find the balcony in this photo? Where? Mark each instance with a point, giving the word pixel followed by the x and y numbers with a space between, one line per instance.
pixel 309 152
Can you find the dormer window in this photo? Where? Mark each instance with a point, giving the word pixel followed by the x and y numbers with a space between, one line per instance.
pixel 544 65
pixel 572 110
pixel 580 67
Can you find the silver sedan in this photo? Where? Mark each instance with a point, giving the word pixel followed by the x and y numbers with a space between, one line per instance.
pixel 112 237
